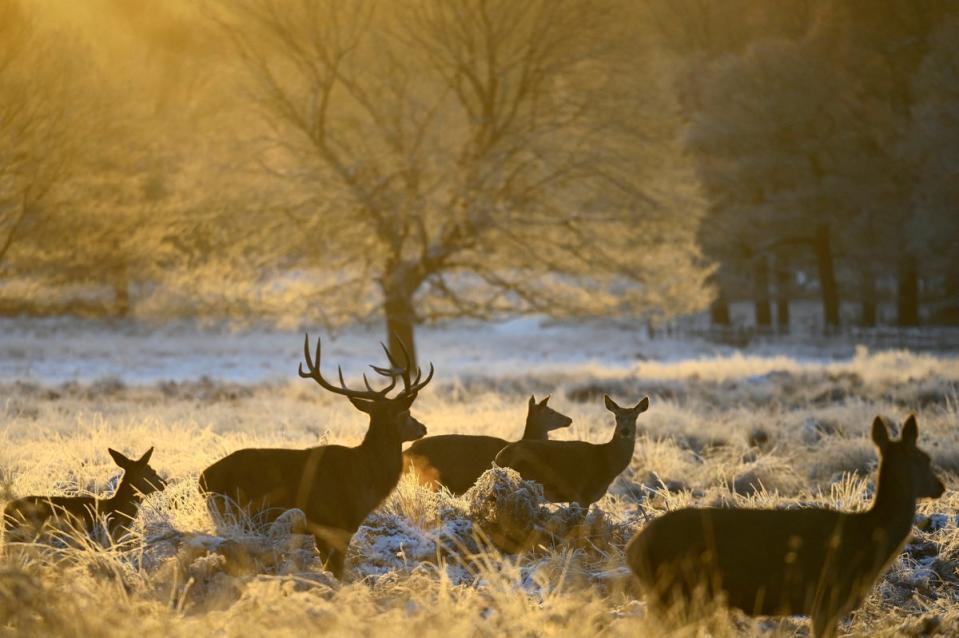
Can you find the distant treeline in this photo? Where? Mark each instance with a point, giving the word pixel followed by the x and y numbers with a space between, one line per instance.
pixel 826 137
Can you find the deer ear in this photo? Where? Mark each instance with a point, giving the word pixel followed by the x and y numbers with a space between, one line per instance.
pixel 880 435
pixel 118 458
pixel 543 403
pixel 361 404
pixel 610 404
pixel 910 430
pixel 532 401
pixel 143 460
pixel 642 406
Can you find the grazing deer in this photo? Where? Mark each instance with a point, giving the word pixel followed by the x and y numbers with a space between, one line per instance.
pixel 817 562
pixel 335 486
pixel 27 515
pixel 457 460
pixel 577 471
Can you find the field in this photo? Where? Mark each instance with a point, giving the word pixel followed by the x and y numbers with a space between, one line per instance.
pixel 743 428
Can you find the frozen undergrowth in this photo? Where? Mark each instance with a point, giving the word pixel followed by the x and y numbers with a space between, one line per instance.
pixel 734 431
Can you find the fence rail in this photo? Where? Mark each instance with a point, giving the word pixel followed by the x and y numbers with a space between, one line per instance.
pixel 924 339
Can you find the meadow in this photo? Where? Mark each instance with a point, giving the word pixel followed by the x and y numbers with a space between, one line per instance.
pixel 724 427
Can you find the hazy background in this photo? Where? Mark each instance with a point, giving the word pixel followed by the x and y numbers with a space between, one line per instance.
pixel 320 163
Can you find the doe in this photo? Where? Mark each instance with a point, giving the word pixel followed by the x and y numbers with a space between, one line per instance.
pixel 577 471
pixel 817 562
pixel 27 516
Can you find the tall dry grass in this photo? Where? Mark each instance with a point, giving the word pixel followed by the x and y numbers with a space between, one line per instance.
pixel 753 433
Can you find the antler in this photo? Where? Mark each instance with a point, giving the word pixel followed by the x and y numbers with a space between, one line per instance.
pixel 410 386
pixel 313 364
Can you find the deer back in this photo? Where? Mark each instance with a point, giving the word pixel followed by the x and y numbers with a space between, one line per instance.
pixel 453 461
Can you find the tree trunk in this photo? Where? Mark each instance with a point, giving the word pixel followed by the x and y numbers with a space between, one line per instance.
pixel 764 317
pixel 719 310
pixel 827 278
pixel 400 323
pixel 867 317
pixel 782 298
pixel 951 315
pixel 14 227
pixel 121 299
pixel 952 284
pixel 121 293
pixel 907 292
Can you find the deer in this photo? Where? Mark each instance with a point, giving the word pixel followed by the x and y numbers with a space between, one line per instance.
pixel 335 486
pixel 577 471
pixel 27 516
pixel 816 562
pixel 455 461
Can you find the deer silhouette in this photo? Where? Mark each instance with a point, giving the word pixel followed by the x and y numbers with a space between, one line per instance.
pixel 335 486
pixel 455 461
pixel 26 517
pixel 817 562
pixel 577 471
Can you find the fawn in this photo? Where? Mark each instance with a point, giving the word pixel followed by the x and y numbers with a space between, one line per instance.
pixel 457 460
pixel 577 471
pixel 27 515
pixel 335 486
pixel 817 562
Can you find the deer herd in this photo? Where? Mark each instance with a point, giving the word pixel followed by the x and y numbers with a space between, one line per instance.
pixel 813 561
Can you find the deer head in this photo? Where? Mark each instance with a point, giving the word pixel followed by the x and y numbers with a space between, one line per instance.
pixel 542 419
pixel 392 412
pixel 137 474
pixel 626 417
pixel 908 464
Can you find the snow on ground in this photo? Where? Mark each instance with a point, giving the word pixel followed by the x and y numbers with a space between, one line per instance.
pixel 58 350
pixel 54 351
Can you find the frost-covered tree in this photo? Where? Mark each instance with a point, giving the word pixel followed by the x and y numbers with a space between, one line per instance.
pixel 43 115
pixel 701 39
pixel 801 114
pixel 466 158
pixel 115 174
pixel 933 144
pixel 773 146
pixel 875 48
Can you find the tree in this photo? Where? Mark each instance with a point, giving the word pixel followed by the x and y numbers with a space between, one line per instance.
pixel 114 162
pixel 772 146
pixel 800 115
pixel 933 144
pixel 460 159
pixel 702 39
pixel 42 113
pixel 876 48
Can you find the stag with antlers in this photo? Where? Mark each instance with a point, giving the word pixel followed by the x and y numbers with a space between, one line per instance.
pixel 336 486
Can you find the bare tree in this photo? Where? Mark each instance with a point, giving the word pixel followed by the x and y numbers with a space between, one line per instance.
pixel 461 157
pixel 108 167
pixel 39 116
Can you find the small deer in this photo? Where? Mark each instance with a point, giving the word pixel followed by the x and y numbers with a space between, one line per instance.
pixel 457 460
pixel 577 471
pixel 817 562
pixel 26 517
pixel 335 486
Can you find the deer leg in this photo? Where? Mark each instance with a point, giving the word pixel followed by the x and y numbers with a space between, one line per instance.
pixel 331 557
pixel 824 624
pixel 335 563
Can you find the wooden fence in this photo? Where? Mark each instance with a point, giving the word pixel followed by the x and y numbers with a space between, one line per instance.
pixel 923 339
